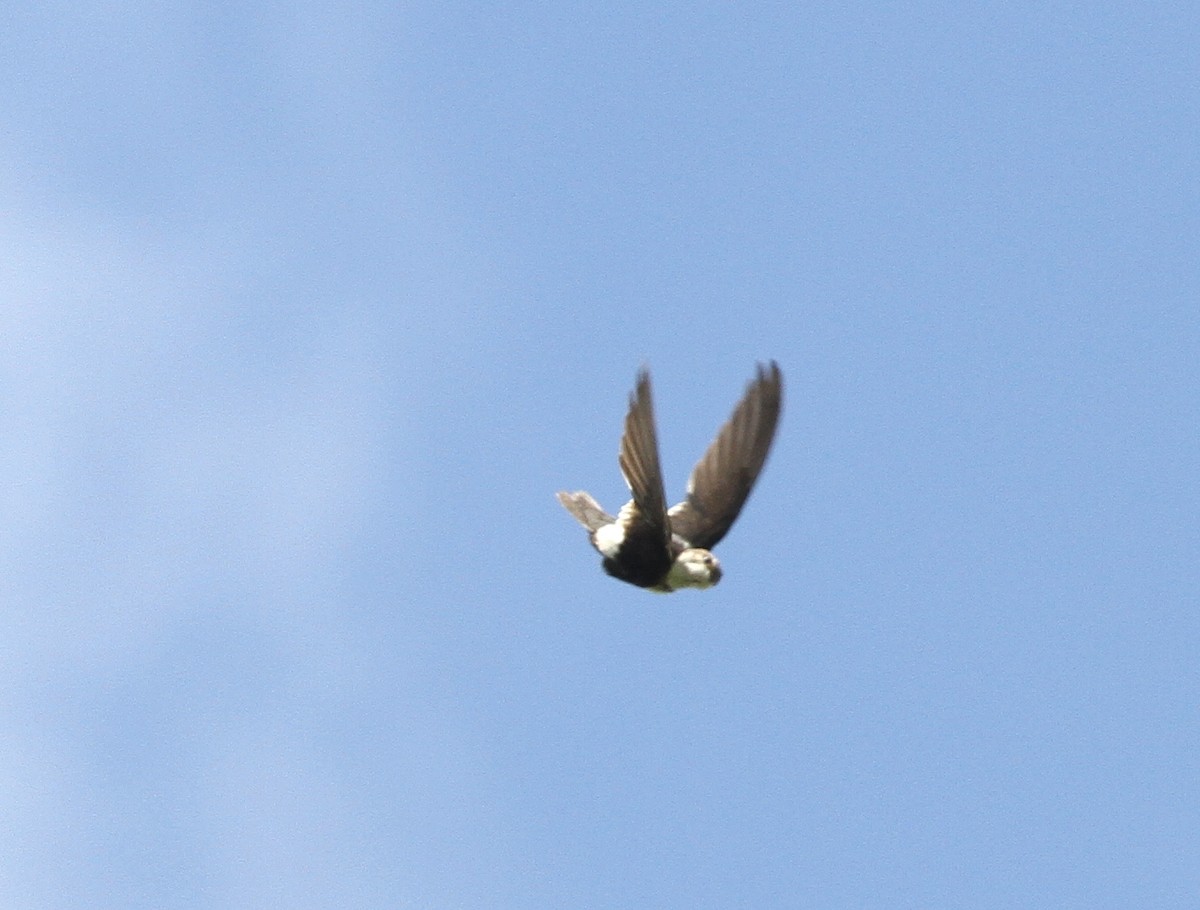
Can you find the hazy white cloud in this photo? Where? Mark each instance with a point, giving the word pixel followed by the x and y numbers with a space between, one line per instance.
pixel 141 450
pixel 178 508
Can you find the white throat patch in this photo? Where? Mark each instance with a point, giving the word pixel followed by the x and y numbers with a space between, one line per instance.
pixel 690 571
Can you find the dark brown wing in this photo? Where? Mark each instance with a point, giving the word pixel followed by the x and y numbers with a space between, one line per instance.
pixel 639 463
pixel 723 478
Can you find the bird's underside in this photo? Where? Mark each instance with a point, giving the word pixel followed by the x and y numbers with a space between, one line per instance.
pixel 661 549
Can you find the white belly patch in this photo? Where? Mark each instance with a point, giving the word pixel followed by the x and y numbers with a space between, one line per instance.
pixel 608 539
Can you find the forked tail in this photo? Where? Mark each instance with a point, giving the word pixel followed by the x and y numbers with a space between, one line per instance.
pixel 585 509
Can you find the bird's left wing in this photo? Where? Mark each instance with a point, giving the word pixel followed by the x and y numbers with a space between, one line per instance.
pixel 722 479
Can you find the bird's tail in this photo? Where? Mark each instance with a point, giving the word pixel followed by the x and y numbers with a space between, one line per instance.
pixel 585 509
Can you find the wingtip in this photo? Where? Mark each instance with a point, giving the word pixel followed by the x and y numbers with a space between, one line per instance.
pixel 641 388
pixel 643 375
pixel 769 378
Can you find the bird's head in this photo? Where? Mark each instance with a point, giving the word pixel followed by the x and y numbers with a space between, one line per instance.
pixel 694 568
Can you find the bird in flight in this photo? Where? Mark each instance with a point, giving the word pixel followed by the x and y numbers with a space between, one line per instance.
pixel 663 549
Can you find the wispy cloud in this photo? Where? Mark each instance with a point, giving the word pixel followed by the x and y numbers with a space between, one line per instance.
pixel 180 497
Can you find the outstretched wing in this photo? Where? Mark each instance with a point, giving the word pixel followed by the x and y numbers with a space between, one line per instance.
pixel 639 464
pixel 722 479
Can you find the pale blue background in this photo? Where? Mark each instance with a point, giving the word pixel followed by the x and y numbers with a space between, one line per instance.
pixel 307 310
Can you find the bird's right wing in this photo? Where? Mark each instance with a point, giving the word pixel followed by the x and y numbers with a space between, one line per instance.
pixel 639 464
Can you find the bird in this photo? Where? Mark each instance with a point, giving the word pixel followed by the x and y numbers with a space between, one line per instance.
pixel 665 550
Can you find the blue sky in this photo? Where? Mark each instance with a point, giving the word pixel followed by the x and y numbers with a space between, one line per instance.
pixel 309 309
